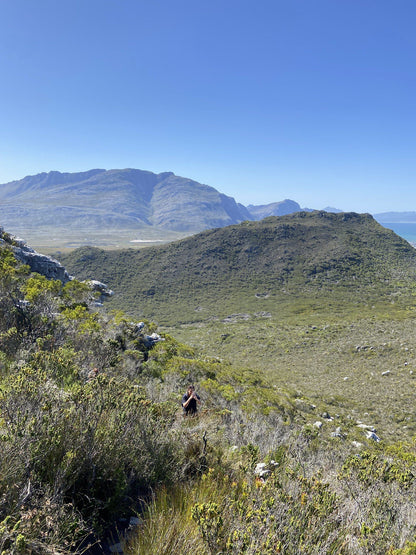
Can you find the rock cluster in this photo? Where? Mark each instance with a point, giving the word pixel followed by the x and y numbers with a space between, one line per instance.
pixel 40 263
pixel 101 288
pixel 48 266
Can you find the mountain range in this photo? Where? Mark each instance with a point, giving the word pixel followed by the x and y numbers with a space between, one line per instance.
pixel 118 202
pixel 118 198
pixel 114 207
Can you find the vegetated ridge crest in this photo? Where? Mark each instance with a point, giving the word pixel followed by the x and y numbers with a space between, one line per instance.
pixel 300 250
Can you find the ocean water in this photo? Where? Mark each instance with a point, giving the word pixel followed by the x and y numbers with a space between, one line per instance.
pixel 405 230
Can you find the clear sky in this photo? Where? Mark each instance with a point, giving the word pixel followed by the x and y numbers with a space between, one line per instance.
pixel 312 100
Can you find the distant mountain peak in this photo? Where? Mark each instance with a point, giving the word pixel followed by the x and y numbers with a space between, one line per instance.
pixel 287 206
pixel 333 210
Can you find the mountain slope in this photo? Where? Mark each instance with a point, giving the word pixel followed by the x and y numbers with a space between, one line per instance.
pixel 91 410
pixel 258 212
pixel 118 199
pixel 225 269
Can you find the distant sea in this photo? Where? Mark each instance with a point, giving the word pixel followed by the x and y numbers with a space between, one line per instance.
pixel 405 230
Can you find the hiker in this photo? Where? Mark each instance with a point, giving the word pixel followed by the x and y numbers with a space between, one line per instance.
pixel 92 374
pixel 189 401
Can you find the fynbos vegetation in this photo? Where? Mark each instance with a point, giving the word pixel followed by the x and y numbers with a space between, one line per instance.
pixel 319 260
pixel 92 430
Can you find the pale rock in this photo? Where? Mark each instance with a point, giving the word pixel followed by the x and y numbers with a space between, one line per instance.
pixel 40 263
pixel 356 444
pixel 261 470
pixel 372 435
pixel 338 433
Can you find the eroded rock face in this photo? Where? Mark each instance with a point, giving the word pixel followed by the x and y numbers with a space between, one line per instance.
pixel 40 263
pixel 48 266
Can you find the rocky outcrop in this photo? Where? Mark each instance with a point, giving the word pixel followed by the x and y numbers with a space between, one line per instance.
pixel 101 288
pixel 39 263
pixel 263 470
pixel 52 269
pixel 48 266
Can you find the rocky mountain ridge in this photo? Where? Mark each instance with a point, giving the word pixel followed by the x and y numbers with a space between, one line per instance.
pixel 129 199
pixel 115 207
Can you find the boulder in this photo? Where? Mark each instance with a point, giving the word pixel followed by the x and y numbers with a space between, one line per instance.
pixel 262 471
pixel 372 435
pixel 40 263
pixel 152 339
pixel 338 433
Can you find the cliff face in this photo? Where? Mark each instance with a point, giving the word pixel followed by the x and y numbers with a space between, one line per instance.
pixel 40 263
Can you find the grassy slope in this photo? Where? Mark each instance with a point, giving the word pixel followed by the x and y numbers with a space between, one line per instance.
pixel 322 303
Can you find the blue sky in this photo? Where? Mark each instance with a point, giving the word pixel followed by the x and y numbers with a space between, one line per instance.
pixel 312 100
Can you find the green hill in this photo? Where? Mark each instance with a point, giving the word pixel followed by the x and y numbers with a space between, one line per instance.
pixel 252 266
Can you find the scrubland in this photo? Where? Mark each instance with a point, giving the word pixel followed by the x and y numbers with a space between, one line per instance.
pixel 80 450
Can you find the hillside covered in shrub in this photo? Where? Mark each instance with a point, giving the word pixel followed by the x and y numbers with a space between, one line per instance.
pixel 252 266
pixel 91 430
